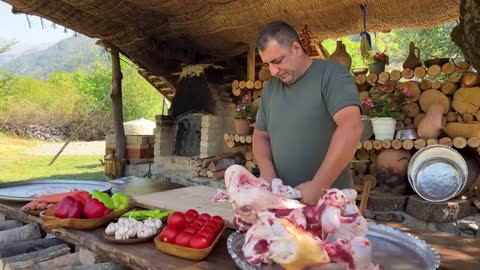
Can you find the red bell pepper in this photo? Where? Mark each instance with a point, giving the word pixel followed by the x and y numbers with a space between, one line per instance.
pixel 82 196
pixel 68 207
pixel 95 209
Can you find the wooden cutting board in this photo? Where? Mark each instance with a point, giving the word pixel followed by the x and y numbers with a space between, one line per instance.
pixel 182 199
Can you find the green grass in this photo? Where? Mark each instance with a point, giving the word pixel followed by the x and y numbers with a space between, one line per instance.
pixel 17 165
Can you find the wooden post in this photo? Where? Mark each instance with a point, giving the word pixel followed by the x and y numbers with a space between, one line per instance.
pixel 251 62
pixel 117 107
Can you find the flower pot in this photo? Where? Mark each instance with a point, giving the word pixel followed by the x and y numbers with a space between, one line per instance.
pixel 242 127
pixel 377 67
pixel 384 127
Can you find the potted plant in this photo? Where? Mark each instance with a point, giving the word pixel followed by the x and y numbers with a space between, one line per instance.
pixel 380 60
pixel 246 113
pixel 385 109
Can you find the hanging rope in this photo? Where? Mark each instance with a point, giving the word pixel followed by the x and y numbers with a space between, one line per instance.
pixel 365 39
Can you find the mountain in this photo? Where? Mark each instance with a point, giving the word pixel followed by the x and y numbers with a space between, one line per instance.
pixel 70 54
pixel 19 49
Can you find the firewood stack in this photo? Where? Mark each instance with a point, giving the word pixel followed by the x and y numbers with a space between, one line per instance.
pixel 253 88
pixel 214 167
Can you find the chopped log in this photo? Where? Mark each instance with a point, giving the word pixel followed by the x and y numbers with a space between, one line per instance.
pixel 462 130
pixel 473 142
pixel 395 75
pixel 418 119
pixel 363 95
pixel 248 139
pixel 419 143
pixel 380 201
pixel 383 76
pixel 373 157
pixel 462 66
pixel 9 224
pixel 370 177
pixel 368 145
pixel 232 144
pixel 470 79
pixel 467 100
pixel 411 109
pixel 407 144
pixel 242 84
pixel 242 139
pixel 449 88
pixel 386 144
pixel 362 154
pixel 250 165
pixel 361 79
pixel 414 88
pixel 21 247
pixel 359 167
pixel 372 169
pixel 249 155
pixel 468 118
pixel 432 141
pixel 237 92
pixel 27 232
pixel 217 175
pixel 436 85
pixel 459 142
pixel 377 145
pixel 206 161
pixel 448 68
pixel 399 125
pixel 359 145
pixel 452 117
pixel 430 97
pixel 445 141
pixel 372 78
pixel 249 84
pixel 408 121
pixel 29 260
pixel 419 72
pixel 220 165
pixel 258 84
pixel 434 70
pixel 69 260
pixel 454 79
pixel 426 84
pixel 235 84
pixel 90 258
pixel 202 172
pixel 407 73
pixel 236 138
pixel 396 144
pixel 448 211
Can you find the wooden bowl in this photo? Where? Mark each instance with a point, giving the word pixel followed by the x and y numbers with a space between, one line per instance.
pixel 186 252
pixel 30 212
pixel 135 240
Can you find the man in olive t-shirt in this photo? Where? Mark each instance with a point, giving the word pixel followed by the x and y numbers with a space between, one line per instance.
pixel 308 123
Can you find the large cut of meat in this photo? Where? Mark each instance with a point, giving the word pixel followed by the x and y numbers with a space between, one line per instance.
pixel 285 231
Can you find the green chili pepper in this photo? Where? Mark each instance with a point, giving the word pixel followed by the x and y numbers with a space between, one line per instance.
pixel 104 198
pixel 146 214
pixel 120 201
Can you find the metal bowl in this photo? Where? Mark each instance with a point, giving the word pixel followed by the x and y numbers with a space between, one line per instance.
pixel 406 134
pixel 437 173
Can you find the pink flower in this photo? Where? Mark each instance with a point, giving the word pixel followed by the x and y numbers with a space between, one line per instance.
pixel 247 97
pixel 240 107
pixel 383 88
pixel 368 102
pixel 407 92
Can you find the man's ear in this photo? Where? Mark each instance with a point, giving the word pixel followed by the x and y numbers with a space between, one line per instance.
pixel 297 48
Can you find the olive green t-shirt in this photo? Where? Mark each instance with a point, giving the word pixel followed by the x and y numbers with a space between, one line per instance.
pixel 299 120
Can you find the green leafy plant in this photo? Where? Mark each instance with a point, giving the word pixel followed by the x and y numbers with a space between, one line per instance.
pixel 380 57
pixel 246 110
pixel 389 103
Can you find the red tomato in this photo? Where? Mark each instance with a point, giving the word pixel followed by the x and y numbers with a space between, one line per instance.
pixel 196 226
pixel 199 221
pixel 168 234
pixel 199 241
pixel 183 239
pixel 190 218
pixel 204 216
pixel 192 212
pixel 219 220
pixel 177 220
pixel 212 227
pixel 191 229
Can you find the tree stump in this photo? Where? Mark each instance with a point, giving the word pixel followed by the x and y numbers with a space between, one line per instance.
pixel 438 212
pixel 382 201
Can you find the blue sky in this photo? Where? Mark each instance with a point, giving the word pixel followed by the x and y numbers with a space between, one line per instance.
pixel 15 26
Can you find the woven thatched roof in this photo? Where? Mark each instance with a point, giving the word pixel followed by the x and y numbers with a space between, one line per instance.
pixel 153 31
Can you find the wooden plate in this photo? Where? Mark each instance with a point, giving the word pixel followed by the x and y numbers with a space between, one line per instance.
pixel 185 252
pixel 135 240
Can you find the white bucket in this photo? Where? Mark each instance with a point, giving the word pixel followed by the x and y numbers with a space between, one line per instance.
pixel 384 127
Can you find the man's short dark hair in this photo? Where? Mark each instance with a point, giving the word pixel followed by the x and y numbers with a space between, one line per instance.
pixel 280 31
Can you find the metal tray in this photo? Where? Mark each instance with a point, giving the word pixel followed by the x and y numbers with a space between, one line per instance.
pixel 29 190
pixel 391 248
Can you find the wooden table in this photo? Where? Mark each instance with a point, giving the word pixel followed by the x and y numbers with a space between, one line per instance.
pixel 456 252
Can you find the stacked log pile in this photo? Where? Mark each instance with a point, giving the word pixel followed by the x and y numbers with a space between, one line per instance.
pixel 214 167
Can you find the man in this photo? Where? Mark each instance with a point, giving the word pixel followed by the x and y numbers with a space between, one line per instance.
pixel 309 121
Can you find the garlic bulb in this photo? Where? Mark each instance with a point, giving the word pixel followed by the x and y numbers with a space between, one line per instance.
pixel 146 232
pixel 111 229
pixel 158 223
pixel 132 232
pixel 150 223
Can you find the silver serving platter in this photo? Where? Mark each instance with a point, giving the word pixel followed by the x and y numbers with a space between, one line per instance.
pixel 30 189
pixel 437 173
pixel 393 249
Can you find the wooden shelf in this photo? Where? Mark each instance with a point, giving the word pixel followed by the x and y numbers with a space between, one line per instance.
pixel 457 142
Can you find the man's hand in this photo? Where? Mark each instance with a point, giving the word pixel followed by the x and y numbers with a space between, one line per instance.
pixel 311 193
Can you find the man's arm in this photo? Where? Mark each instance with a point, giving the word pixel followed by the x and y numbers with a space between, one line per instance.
pixel 263 154
pixel 342 147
